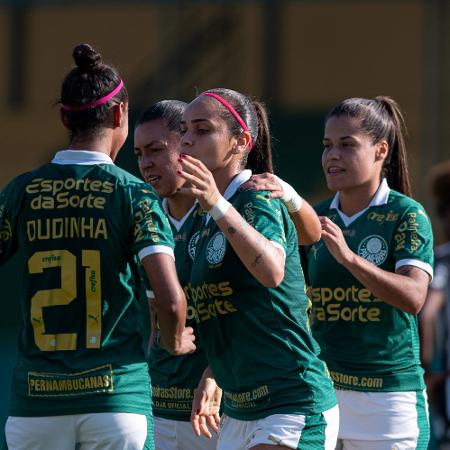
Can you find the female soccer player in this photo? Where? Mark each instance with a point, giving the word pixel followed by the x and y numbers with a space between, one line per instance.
pixel 174 378
pixel 247 286
pixel 369 276
pixel 81 379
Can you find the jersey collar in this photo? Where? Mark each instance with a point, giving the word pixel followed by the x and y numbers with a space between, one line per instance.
pixel 177 223
pixel 236 182
pixel 84 157
pixel 380 198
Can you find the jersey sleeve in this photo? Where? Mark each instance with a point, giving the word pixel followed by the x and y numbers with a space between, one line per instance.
pixel 151 229
pixel 8 215
pixel 266 216
pixel 413 240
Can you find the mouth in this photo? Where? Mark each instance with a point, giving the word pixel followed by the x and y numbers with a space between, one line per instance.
pixel 334 170
pixel 152 179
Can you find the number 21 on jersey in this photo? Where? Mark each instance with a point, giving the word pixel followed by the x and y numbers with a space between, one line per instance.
pixel 67 261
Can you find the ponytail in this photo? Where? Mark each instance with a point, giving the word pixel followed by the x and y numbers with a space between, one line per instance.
pixel 396 164
pixel 259 160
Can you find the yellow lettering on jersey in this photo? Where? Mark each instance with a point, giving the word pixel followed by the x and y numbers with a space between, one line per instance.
pixel 207 290
pixel 67 227
pixel 59 384
pixel 331 305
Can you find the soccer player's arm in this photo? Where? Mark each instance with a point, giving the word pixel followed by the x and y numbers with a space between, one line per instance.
pixel 153 242
pixel 301 212
pixel 169 303
pixel 257 236
pixel 412 249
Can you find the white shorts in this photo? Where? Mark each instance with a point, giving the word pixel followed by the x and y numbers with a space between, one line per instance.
pixel 314 432
pixel 390 420
pixel 97 431
pixel 178 435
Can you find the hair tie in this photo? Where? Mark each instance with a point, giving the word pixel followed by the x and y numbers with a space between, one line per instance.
pixel 233 112
pixel 97 102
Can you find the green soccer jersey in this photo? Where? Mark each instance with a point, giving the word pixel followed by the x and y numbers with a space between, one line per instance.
pixel 79 222
pixel 257 339
pixel 368 344
pixel 174 378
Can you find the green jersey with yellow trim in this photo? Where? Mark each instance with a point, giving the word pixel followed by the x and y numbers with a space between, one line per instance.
pixel 79 226
pixel 368 344
pixel 256 339
pixel 174 378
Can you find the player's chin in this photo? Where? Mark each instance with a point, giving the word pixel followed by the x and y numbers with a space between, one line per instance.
pixel 340 181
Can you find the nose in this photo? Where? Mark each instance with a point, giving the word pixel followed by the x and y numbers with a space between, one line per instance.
pixel 186 140
pixel 146 161
pixel 333 153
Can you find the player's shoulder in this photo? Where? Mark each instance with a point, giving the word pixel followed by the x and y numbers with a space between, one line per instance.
pixel 248 201
pixel 19 182
pixel 246 196
pixel 127 180
pixel 322 207
pixel 401 201
pixel 121 175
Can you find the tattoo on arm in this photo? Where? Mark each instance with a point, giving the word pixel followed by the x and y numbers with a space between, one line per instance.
pixel 231 230
pixel 257 260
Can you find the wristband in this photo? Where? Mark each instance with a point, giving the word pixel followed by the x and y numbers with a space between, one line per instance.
pixel 219 209
pixel 291 199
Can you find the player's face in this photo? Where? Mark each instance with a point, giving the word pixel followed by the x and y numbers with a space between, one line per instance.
pixel 350 159
pixel 157 151
pixel 205 134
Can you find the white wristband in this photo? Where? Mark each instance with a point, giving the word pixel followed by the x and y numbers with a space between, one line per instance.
pixel 291 199
pixel 219 209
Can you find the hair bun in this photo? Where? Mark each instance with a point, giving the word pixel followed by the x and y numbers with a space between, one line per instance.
pixel 86 58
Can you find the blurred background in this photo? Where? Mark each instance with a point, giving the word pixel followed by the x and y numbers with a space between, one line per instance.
pixel 300 57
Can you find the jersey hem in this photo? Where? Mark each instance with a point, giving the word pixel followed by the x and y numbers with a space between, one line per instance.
pixel 287 409
pixel 86 410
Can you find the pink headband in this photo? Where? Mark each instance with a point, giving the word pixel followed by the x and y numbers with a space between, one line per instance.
pixel 97 102
pixel 233 112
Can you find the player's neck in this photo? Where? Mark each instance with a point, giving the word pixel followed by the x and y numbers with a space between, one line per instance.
pixel 179 205
pixel 224 176
pixel 355 199
pixel 95 144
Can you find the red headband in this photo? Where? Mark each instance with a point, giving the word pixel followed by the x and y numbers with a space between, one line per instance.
pixel 233 112
pixel 97 102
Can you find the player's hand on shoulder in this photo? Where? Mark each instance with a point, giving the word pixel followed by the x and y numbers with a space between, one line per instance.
pixel 264 182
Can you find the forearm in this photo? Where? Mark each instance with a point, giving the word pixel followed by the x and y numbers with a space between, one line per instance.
pixel 307 224
pixel 402 292
pixel 261 258
pixel 171 320
pixel 170 302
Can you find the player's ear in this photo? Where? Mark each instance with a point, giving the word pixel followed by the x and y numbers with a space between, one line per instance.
pixel 63 118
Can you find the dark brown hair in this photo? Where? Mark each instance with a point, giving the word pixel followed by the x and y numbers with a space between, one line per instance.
pixel 89 81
